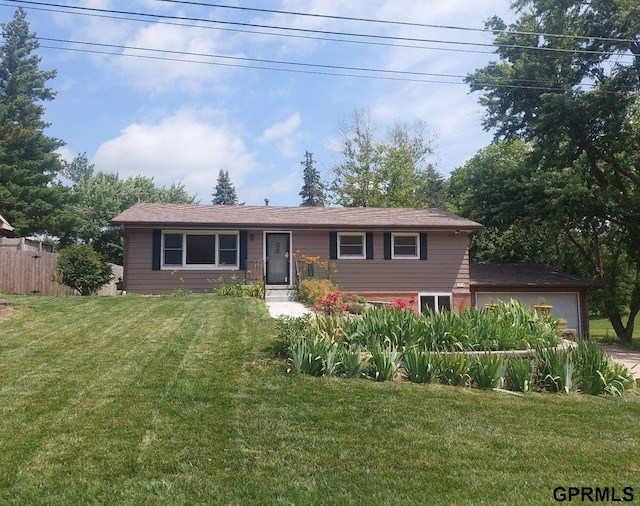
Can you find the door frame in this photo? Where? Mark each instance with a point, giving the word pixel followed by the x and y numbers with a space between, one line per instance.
pixel 264 255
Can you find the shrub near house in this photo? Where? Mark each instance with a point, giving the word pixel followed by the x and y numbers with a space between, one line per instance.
pixel 83 268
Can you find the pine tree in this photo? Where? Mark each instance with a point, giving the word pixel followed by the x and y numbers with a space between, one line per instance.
pixel 313 190
pixel 28 162
pixel 225 191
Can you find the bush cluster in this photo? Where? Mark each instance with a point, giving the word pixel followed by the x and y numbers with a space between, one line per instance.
pixel 386 343
pixel 338 303
pixel 312 289
pixel 83 269
pixel 509 326
pixel 237 290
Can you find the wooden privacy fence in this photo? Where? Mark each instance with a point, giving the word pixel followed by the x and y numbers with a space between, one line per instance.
pixel 33 272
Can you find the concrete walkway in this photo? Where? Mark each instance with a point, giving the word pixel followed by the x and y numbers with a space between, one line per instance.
pixel 293 309
pixel 630 358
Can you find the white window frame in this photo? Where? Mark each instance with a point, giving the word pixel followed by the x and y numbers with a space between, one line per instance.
pixel 436 295
pixel 405 257
pixel 200 267
pixel 362 235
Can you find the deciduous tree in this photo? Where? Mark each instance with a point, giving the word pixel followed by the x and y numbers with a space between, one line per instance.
pixel 386 172
pixel 567 82
pixel 98 197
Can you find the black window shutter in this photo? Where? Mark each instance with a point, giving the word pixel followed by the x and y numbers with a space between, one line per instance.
pixel 243 250
pixel 423 246
pixel 387 245
pixel 333 245
pixel 156 249
pixel 369 245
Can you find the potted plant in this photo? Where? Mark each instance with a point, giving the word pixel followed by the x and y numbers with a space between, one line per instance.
pixel 542 307
pixel 490 306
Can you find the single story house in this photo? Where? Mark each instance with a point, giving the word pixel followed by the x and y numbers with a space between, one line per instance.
pixel 382 254
pixel 534 284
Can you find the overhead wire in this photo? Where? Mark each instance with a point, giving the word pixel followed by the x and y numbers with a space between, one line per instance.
pixel 331 70
pixel 371 38
pixel 324 69
pixel 391 22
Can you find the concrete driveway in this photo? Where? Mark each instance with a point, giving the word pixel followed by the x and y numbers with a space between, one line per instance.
pixel 630 358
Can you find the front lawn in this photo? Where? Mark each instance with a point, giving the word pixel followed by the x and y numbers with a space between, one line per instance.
pixel 178 400
pixel 601 329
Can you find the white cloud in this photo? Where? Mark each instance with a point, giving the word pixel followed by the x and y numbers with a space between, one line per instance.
pixel 190 147
pixel 284 134
pixel 66 154
pixel 172 63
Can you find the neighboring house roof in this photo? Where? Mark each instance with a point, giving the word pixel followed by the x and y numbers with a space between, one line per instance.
pixel 524 276
pixel 341 218
pixel 4 225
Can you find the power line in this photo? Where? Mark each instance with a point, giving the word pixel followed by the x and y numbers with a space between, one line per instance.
pixel 257 32
pixel 389 22
pixel 253 60
pixel 328 70
pixel 324 68
pixel 369 37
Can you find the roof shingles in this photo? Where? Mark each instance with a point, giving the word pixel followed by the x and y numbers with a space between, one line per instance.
pixel 195 215
pixel 524 276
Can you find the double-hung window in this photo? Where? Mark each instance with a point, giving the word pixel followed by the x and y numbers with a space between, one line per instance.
pixel 351 245
pixel 405 246
pixel 200 250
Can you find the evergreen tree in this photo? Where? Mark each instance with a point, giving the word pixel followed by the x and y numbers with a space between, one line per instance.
pixel 225 191
pixel 28 162
pixel 312 192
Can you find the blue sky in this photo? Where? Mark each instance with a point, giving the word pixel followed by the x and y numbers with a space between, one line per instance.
pixel 182 122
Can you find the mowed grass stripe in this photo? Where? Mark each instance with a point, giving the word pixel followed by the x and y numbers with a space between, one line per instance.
pixel 123 379
pixel 182 403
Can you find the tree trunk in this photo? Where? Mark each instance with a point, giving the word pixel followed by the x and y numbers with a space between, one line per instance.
pixel 624 334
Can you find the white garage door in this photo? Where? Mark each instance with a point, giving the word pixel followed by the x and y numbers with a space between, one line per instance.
pixel 565 305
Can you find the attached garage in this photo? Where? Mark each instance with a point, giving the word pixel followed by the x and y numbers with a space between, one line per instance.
pixel 532 284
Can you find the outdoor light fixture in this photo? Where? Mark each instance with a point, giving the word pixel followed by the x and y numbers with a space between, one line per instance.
pixel 251 237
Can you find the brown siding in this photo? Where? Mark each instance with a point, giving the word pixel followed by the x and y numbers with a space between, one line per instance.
pixel 447 265
pixel 140 278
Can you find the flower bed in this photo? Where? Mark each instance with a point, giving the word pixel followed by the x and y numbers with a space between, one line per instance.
pixel 392 343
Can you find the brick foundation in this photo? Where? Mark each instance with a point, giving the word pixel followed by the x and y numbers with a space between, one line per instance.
pixel 391 297
pixel 460 300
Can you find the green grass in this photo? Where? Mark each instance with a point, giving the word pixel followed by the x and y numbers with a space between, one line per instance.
pixel 601 329
pixel 177 400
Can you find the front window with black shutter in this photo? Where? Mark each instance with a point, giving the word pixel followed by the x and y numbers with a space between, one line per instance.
pixel 200 250
pixel 351 245
pixel 405 246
